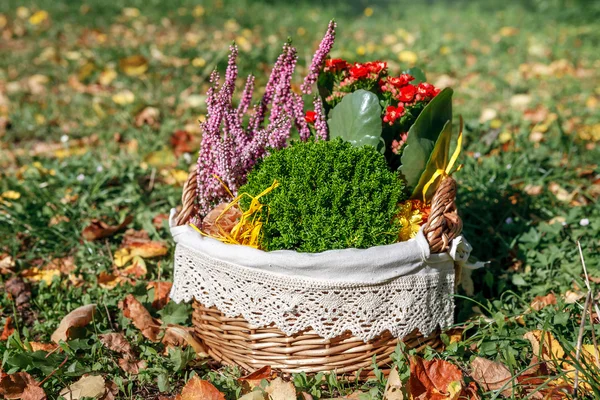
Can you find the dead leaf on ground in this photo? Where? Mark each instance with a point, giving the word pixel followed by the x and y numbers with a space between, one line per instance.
pixel 148 116
pixel 134 65
pixel 90 386
pixel 19 385
pixel 158 220
pixel 137 268
pixel 572 297
pixel 98 229
pixel 117 342
pixel 256 395
pixel 8 329
pixel 198 389
pixel 161 293
pixel 20 291
pixel 492 375
pixel 180 336
pixel 141 318
pixel 36 274
pixel 434 380
pixel 132 366
pixel 393 389
pixel 47 347
pixel 77 318
pixel 546 346
pixel 183 142
pixel 278 389
pixel 6 264
pixel 540 302
pixel 137 243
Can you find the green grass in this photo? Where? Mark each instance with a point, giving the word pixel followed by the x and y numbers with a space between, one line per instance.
pixel 549 60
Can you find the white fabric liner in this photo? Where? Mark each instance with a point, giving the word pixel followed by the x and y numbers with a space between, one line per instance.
pixel 398 287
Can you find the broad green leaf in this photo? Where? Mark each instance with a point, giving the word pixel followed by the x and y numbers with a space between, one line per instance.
pixel 437 160
pixel 357 119
pixel 418 74
pixel 423 134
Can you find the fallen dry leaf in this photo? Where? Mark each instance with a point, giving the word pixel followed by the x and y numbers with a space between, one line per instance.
pixel 491 375
pixel 183 142
pixel 116 342
pixel 540 302
pixel 278 389
pixel 572 297
pixel 8 329
pixel 47 347
pixel 36 274
pixel 393 388
pixel 159 219
pixel 132 366
pixel 434 380
pixel 75 319
pixel 134 65
pixel 256 395
pixel 179 336
pixel 198 389
pixel 92 386
pixel 19 385
pixel 141 318
pixel 145 250
pixel 546 346
pixel 161 293
pixel 6 264
pixel 137 268
pixel 148 116
pixel 99 229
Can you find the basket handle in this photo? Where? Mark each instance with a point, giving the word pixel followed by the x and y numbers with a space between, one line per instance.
pixel 443 224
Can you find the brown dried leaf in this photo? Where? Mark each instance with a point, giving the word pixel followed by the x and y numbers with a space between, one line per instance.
pixel 198 389
pixel 6 264
pixel 19 385
pixel 47 347
pixel 75 319
pixel 141 318
pixel 8 329
pixel 491 375
pixel 148 116
pixel 540 302
pixel 145 250
pixel 99 229
pixel 179 336
pixel 393 388
pixel 434 380
pixel 132 366
pixel 545 345
pixel 280 390
pixel 158 220
pixel 92 386
pixel 183 142
pixel 117 342
pixel 136 269
pixel 161 293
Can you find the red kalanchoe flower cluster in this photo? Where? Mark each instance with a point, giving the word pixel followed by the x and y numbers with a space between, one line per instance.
pixel 310 117
pixel 426 92
pixel 397 145
pixel 393 113
pixel 407 93
pixel 335 65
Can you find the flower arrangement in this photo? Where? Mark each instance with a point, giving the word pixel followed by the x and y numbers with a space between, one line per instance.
pixel 361 173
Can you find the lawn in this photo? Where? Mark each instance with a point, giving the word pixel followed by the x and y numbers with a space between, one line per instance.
pixel 99 110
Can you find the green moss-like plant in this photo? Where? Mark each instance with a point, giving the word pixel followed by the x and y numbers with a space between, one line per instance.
pixel 332 195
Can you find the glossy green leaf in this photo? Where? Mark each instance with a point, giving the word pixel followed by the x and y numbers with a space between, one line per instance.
pixel 437 160
pixel 357 119
pixel 423 134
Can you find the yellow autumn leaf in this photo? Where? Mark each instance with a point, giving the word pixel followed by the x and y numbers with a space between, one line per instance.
pixel 546 346
pixel 368 12
pixel 23 12
pixel 198 62
pixel 37 275
pixel 123 97
pixel 144 250
pixel 161 158
pixel 38 17
pixel 107 76
pixel 407 56
pixel 198 11
pixel 175 177
pixel 3 21
pixel 131 12
pixel 134 65
pixel 70 152
pixel 11 195
pixel 507 31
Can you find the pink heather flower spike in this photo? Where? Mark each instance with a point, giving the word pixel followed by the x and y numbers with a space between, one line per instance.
pixel 246 96
pixel 322 132
pixel 319 58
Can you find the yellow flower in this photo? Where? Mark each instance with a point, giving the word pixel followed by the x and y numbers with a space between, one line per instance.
pixel 368 12
pixel 411 218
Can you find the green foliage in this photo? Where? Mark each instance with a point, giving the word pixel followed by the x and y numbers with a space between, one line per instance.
pixel 423 134
pixel 357 119
pixel 332 195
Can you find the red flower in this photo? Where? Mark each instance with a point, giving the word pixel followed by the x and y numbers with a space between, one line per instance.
pixel 399 81
pixel 376 67
pixel 407 93
pixel 393 113
pixel 310 117
pixel 359 71
pixel 426 91
pixel 335 65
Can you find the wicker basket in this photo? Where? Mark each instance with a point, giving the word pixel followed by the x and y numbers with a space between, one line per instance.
pixel 234 341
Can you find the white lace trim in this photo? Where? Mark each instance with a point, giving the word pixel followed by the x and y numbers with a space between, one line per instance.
pixel 421 301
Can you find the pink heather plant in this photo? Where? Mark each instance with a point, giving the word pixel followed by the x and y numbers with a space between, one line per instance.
pixel 229 150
